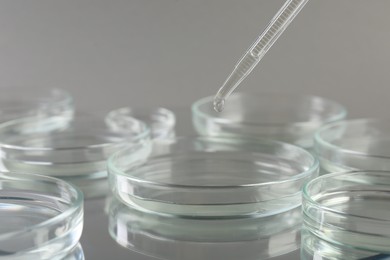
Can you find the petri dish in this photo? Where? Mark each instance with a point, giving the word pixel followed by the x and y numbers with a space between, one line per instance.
pixel 359 144
pixel 18 102
pixel 76 152
pixel 208 177
pixel 166 237
pixel 346 216
pixel 289 118
pixel 41 217
pixel 161 121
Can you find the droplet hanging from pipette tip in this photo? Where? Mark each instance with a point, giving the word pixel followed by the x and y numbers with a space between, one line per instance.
pixel 219 104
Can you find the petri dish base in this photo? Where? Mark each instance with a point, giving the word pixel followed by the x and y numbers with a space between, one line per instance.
pixel 205 177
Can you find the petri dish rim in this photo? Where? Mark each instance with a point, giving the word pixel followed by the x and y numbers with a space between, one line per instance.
pixel 307 197
pixel 319 140
pixel 160 120
pixel 77 203
pixel 143 135
pixel 225 121
pixel 309 202
pixel 57 96
pixel 170 116
pixel 112 169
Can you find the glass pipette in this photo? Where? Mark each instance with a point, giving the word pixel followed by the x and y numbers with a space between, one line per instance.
pixel 258 49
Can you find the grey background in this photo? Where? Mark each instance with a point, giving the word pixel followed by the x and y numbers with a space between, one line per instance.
pixel 172 52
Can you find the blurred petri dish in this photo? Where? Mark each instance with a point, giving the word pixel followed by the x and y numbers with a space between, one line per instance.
pixel 212 177
pixel 346 216
pixel 360 144
pixel 161 121
pixel 41 217
pixel 18 102
pixel 76 152
pixel 166 237
pixel 289 118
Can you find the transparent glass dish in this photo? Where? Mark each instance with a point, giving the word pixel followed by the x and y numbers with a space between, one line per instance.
pixel 77 151
pixel 41 217
pixel 212 177
pixel 346 216
pixel 284 117
pixel 166 237
pixel 18 102
pixel 161 121
pixel 360 144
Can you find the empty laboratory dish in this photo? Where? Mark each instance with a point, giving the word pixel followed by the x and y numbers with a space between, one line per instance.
pixel 77 151
pixel 161 121
pixel 285 117
pixel 360 144
pixel 41 217
pixel 166 237
pixel 17 102
pixel 346 216
pixel 212 177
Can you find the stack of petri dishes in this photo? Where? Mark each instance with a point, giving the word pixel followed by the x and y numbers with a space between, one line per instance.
pixel 41 217
pixel 209 197
pixel 346 216
pixel 346 212
pixel 51 159
pixel 233 192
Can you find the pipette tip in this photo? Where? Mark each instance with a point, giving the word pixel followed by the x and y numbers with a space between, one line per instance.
pixel 219 104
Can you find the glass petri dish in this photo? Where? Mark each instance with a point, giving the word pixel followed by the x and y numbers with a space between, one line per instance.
pixel 212 177
pixel 166 237
pixel 346 216
pixel 289 118
pixel 41 217
pixel 161 121
pixel 76 152
pixel 360 144
pixel 18 102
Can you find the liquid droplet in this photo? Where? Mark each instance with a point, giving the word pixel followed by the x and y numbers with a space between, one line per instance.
pixel 219 104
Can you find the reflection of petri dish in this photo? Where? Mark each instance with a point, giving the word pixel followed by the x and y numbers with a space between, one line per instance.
pixel 360 144
pixel 346 216
pixel 41 217
pixel 161 121
pixel 77 151
pixel 20 102
pixel 171 238
pixel 76 253
pixel 286 117
pixel 213 177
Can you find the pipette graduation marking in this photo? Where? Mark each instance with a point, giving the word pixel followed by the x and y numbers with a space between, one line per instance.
pixel 258 49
